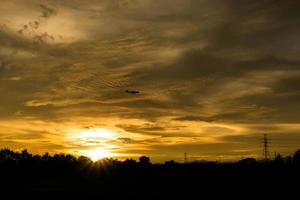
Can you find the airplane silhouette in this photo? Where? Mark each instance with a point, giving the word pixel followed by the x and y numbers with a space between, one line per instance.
pixel 132 92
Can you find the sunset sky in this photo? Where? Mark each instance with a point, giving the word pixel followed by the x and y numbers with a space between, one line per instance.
pixel 213 76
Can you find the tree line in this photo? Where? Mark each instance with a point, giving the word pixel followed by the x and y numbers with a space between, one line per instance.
pixel 25 164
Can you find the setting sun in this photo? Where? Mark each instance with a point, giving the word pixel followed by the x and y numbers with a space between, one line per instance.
pixel 97 154
pixel 100 139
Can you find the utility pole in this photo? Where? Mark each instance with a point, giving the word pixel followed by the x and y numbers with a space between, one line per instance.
pixel 266 152
pixel 185 157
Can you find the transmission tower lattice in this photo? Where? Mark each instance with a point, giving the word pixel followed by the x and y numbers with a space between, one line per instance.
pixel 266 152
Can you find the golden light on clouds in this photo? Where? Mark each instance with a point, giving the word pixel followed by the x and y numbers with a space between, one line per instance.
pixel 211 83
pixel 94 142
pixel 97 142
pixel 97 133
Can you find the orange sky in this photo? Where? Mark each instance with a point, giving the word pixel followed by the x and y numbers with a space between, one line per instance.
pixel 213 76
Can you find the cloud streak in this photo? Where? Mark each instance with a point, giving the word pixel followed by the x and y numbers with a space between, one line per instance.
pixel 208 71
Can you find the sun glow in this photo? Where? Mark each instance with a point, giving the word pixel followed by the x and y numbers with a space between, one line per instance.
pixel 98 134
pixel 96 142
pixel 97 154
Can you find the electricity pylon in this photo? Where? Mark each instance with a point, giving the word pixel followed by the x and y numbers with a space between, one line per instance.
pixel 266 152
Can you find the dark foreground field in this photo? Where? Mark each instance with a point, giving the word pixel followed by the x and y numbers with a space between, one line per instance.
pixel 64 176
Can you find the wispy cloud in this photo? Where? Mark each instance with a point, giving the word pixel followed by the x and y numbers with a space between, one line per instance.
pixel 207 72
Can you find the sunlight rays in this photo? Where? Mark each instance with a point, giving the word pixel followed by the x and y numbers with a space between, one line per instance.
pixel 96 143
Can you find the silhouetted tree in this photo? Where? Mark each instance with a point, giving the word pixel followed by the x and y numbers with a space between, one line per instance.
pixel 129 163
pixel 289 160
pixel 144 160
pixel 171 163
pixel 46 156
pixel 296 158
pixel 6 154
pixel 279 159
pixel 84 160
pixel 248 161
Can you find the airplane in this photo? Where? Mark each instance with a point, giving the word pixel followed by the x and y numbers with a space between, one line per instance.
pixel 132 92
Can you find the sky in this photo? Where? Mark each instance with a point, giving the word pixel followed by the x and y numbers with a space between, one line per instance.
pixel 213 77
